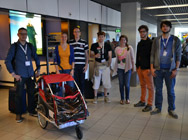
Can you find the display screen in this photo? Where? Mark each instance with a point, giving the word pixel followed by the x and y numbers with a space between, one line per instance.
pixel 32 23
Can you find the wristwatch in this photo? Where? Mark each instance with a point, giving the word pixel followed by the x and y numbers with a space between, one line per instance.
pixel 176 69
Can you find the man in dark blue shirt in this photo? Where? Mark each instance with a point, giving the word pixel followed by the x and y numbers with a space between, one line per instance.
pixel 19 65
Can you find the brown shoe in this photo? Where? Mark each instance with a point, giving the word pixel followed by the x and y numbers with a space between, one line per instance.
pixel 122 102
pixel 127 101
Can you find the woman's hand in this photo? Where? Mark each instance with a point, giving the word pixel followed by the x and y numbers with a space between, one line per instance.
pixel 57 72
pixel 72 72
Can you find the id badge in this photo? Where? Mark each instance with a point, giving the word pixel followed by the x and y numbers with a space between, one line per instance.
pixel 27 63
pixel 164 53
pixel 104 60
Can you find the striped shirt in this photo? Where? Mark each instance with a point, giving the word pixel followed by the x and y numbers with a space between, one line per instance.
pixel 79 50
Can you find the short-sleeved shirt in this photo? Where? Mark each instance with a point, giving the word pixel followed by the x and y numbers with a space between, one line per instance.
pixel 121 56
pixel 80 47
pixel 103 51
pixel 64 57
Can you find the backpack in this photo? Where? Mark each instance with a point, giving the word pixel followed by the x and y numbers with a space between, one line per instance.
pixel 15 51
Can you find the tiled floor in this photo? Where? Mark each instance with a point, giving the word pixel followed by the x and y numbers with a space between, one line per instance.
pixel 108 121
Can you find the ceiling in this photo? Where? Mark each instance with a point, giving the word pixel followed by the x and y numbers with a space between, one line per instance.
pixel 149 15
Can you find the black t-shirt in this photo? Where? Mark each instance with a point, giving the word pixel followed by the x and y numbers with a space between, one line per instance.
pixel 103 51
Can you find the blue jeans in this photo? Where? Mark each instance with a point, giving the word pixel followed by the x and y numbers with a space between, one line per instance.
pixel 124 81
pixel 70 83
pixel 170 84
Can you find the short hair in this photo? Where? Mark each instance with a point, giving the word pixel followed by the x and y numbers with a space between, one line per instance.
pixel 77 27
pixel 22 28
pixel 100 33
pixel 166 22
pixel 64 33
pixel 143 27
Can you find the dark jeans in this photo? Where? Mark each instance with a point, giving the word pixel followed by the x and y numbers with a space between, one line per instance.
pixel 19 93
pixel 124 83
pixel 70 83
pixel 170 84
pixel 79 77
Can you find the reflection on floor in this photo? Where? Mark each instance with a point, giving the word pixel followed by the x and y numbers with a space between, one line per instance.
pixel 108 121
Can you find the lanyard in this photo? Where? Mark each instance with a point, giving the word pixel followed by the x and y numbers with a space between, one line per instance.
pixel 102 50
pixel 165 43
pixel 25 51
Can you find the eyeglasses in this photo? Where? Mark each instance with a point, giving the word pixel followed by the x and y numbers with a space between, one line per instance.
pixel 23 34
pixel 142 31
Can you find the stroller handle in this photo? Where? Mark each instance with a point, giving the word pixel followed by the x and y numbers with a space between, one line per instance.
pixel 45 65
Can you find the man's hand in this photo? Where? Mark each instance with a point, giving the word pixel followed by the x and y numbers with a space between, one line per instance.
pixel 153 72
pixel 97 55
pixel 174 73
pixel 17 77
pixel 85 68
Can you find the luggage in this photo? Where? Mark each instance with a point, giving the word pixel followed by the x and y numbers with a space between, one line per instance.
pixel 89 92
pixel 12 93
pixel 184 61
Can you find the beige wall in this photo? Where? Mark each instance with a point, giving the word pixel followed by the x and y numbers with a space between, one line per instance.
pixel 92 31
pixel 5 76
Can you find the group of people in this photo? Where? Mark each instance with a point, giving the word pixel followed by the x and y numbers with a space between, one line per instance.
pixel 156 61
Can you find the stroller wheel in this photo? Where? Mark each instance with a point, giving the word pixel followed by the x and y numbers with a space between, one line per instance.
pixel 78 132
pixel 42 121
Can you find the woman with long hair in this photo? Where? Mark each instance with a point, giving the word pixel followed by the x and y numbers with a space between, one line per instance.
pixel 124 66
pixel 64 56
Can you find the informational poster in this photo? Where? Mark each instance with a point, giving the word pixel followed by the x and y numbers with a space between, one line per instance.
pixel 32 23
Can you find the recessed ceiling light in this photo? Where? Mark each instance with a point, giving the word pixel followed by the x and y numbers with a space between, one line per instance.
pixel 180 22
pixel 172 14
pixel 175 19
pixel 166 6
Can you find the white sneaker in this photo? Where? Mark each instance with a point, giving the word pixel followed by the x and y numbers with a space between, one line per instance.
pixel 95 100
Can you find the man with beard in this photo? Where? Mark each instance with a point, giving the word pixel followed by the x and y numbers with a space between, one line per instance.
pixel 165 60
pixel 143 69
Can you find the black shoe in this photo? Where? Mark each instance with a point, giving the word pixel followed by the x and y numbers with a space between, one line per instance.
pixel 147 108
pixel 155 111
pixel 173 114
pixel 34 114
pixel 19 118
pixel 139 104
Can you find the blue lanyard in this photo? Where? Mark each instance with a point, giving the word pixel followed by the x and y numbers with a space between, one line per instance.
pixel 165 43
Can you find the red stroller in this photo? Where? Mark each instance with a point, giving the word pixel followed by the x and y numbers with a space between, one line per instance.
pixel 62 111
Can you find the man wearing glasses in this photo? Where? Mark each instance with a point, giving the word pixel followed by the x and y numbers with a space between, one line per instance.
pixel 19 65
pixel 143 69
